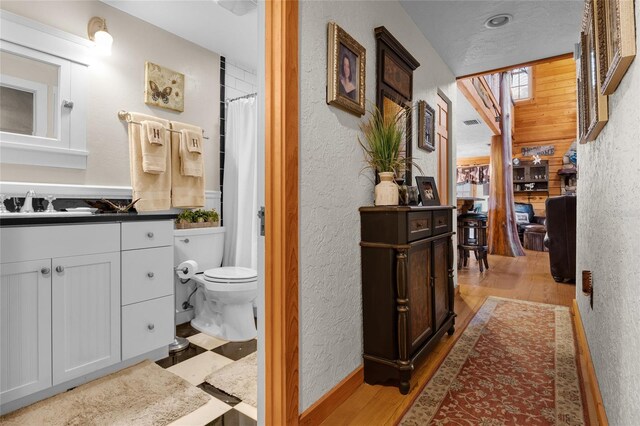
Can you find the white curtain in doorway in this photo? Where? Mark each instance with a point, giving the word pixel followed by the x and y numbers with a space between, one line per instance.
pixel 240 186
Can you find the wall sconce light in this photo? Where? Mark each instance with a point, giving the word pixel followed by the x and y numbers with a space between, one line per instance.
pixel 98 33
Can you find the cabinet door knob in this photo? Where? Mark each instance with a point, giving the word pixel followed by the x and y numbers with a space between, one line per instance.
pixel 149 234
pixel 60 268
pixel 150 274
pixel 186 241
pixel 151 327
pixel 45 271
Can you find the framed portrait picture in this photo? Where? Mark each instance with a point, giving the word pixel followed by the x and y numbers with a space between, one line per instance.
pixel 617 45
pixel 164 87
pixel 427 191
pixel 596 111
pixel 426 126
pixel 346 66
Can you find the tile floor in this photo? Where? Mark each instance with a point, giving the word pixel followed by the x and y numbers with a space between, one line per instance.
pixel 204 355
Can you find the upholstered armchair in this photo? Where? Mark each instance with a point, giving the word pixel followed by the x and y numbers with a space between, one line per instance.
pixel 531 218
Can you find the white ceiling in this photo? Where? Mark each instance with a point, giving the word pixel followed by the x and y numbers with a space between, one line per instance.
pixel 455 28
pixel 471 141
pixel 204 23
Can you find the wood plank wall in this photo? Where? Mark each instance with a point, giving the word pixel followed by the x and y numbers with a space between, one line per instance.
pixel 548 119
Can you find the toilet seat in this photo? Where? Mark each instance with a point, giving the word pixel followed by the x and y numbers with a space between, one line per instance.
pixel 230 275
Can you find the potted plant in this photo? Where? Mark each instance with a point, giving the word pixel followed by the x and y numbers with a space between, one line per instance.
pixel 197 219
pixel 383 150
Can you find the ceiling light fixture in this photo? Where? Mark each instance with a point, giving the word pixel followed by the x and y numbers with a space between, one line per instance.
pixel 498 21
pixel 97 29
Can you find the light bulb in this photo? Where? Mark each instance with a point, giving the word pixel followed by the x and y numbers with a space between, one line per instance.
pixel 103 42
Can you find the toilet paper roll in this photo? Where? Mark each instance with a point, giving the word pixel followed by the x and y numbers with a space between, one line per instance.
pixel 187 269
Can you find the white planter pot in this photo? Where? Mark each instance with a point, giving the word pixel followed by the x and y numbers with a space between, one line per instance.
pixel 386 192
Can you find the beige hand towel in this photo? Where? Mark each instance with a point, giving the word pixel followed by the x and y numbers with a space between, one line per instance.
pixel 191 162
pixel 154 190
pixel 154 147
pixel 186 191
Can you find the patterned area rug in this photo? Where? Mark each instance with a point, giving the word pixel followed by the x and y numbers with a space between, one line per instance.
pixel 515 364
pixel 144 394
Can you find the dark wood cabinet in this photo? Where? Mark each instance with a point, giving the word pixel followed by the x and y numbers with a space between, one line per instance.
pixel 407 288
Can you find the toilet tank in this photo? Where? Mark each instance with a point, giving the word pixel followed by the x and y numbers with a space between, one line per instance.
pixel 204 245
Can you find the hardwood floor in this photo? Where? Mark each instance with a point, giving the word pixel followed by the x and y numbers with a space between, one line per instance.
pixel 524 278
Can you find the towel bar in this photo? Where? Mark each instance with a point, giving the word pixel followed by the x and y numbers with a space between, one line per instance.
pixel 124 116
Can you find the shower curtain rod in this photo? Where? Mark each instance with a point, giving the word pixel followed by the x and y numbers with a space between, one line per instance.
pixel 125 116
pixel 250 95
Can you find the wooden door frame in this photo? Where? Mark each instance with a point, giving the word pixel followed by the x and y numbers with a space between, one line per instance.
pixel 281 205
pixel 450 157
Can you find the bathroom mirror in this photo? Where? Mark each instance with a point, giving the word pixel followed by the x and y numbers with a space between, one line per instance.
pixel 28 92
pixel 43 94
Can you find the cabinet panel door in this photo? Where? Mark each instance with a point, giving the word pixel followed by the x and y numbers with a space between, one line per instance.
pixel 441 280
pixel 86 314
pixel 25 328
pixel 419 294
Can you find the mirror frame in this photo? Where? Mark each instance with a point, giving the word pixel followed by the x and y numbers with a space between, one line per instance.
pixel 394 80
pixel 72 54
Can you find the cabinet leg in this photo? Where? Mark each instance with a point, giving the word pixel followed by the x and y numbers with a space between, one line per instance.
pixel 451 330
pixel 404 386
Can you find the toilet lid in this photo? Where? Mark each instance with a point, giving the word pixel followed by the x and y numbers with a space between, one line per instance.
pixel 230 274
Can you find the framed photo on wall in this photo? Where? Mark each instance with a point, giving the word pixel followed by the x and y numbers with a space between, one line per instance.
pixel 594 105
pixel 426 126
pixel 346 67
pixel 617 45
pixel 427 191
pixel 164 87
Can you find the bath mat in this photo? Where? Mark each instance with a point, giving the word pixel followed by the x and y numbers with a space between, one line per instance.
pixel 144 394
pixel 514 364
pixel 239 379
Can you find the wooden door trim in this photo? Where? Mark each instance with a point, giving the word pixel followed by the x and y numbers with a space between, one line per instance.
pixel 448 162
pixel 281 204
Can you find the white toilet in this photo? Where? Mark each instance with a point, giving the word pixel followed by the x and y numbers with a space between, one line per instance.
pixel 224 296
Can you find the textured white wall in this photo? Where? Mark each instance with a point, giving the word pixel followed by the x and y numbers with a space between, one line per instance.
pixel 117 82
pixel 608 244
pixel 332 188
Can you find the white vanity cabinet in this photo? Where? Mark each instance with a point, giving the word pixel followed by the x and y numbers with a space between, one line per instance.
pixel 81 300
pixel 25 328
pixel 85 314
pixel 147 287
pixel 60 304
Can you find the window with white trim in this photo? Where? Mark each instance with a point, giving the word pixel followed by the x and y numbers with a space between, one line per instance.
pixel 521 83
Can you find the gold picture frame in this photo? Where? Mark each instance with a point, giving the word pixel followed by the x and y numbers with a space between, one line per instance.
pixel 346 70
pixel 594 111
pixel 164 87
pixel 616 19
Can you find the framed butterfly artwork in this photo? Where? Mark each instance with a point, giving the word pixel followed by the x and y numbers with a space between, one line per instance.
pixel 164 87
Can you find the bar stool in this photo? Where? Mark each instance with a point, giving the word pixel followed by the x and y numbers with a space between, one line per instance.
pixel 472 236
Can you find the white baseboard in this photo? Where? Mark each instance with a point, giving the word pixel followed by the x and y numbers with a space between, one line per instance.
pixel 61 190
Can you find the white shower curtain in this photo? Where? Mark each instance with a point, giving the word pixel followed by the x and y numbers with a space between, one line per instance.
pixel 240 186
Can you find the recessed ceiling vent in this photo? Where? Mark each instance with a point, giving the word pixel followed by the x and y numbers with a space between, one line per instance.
pixel 471 122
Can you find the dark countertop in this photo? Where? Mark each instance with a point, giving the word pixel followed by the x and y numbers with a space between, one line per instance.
pixel 94 218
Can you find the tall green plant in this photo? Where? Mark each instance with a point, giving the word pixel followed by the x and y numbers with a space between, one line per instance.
pixel 384 141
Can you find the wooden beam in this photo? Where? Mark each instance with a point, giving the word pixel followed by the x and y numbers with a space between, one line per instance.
pixel 503 232
pixel 281 220
pixel 523 64
pixel 487 114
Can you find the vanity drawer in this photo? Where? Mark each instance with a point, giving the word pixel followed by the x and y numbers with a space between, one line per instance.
pixel 137 235
pixel 419 225
pixel 146 274
pixel 441 222
pixel 147 326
